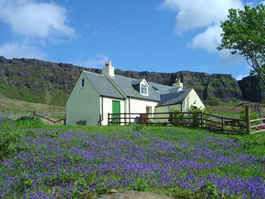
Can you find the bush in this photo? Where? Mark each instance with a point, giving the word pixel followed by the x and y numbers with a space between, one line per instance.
pixel 137 127
pixel 9 141
pixel 29 122
pixel 253 115
pixel 139 185
pixel 213 101
pixel 176 117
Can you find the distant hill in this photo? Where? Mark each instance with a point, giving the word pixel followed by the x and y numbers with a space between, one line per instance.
pixel 51 83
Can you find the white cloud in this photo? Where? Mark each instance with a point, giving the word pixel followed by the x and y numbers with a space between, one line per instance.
pixel 18 50
pixel 240 77
pixel 206 14
pixel 29 18
pixel 225 57
pixel 209 39
pixel 98 61
pixel 200 13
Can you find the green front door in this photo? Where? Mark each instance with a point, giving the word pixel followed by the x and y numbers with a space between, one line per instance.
pixel 116 112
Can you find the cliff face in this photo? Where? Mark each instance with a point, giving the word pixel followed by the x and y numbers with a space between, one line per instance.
pixel 207 86
pixel 37 81
pixel 47 82
pixel 252 89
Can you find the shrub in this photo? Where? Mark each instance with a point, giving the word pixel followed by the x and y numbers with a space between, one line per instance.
pixel 213 101
pixel 253 115
pixel 176 117
pixel 139 185
pixel 29 122
pixel 137 127
pixel 9 141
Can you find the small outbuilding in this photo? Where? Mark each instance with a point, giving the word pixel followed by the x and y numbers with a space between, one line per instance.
pixel 95 95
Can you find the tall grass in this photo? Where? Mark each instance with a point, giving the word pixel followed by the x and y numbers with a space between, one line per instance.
pixel 29 122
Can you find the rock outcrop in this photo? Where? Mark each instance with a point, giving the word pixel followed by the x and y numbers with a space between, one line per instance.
pixel 207 86
pixel 46 82
pixel 252 89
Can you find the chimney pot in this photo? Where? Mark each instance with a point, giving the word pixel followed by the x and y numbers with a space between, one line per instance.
pixel 108 70
pixel 107 63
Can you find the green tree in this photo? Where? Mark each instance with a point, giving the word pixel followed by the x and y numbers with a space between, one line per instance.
pixel 244 34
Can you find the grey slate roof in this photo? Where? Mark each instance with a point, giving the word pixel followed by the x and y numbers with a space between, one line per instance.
pixel 103 85
pixel 125 84
pixel 174 98
pixel 156 92
pixel 138 81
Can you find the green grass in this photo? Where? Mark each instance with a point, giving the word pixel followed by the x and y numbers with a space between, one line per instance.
pixel 163 143
pixel 29 122
pixel 255 144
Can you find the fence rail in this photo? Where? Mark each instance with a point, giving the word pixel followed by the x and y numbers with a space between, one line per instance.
pixel 49 120
pixel 186 119
pixel 46 117
pixel 15 115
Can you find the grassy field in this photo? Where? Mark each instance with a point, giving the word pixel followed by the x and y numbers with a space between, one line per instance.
pixel 82 162
pixel 14 109
pixel 8 104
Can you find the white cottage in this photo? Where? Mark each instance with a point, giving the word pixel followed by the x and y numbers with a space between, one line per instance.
pixel 95 95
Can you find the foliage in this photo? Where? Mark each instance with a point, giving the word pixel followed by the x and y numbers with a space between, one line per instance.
pixel 213 101
pixel 27 121
pixel 176 117
pixel 244 34
pixel 3 121
pixel 196 116
pixel 137 127
pixel 139 185
pixel 82 163
pixel 9 141
pixel 253 115
pixel 150 122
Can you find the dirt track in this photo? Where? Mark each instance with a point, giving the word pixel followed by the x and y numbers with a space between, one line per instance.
pixel 134 195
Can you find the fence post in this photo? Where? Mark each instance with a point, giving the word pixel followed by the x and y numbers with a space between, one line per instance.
pixel 247 110
pixel 108 118
pixel 201 120
pixel 222 119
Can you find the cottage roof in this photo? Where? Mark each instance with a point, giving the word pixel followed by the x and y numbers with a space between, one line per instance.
pixel 174 97
pixel 126 85
pixel 119 87
pixel 103 85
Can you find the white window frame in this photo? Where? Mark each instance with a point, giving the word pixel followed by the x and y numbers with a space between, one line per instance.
pixel 144 85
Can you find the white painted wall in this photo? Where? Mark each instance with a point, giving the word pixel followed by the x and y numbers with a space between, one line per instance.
pixel 163 109
pixel 139 106
pixel 83 104
pixel 192 100
pixel 107 107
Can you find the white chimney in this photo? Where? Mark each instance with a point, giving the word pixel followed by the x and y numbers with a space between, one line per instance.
pixel 178 85
pixel 108 70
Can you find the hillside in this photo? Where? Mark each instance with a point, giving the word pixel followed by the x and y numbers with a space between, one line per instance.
pixel 39 81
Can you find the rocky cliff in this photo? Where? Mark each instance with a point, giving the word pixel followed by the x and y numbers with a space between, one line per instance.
pixel 252 89
pixel 47 82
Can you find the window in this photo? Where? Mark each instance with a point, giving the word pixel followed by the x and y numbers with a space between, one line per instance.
pixel 82 83
pixel 156 89
pixel 144 90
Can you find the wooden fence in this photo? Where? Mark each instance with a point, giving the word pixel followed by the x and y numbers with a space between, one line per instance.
pixel 48 120
pixel 188 119
pixel 15 115
pixel 254 126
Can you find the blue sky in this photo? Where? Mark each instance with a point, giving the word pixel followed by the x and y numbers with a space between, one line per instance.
pixel 140 35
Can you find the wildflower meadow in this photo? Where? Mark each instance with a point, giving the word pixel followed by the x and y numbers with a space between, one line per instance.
pixel 74 163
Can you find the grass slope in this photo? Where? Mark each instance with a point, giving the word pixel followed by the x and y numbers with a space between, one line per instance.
pixel 81 162
pixel 8 104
